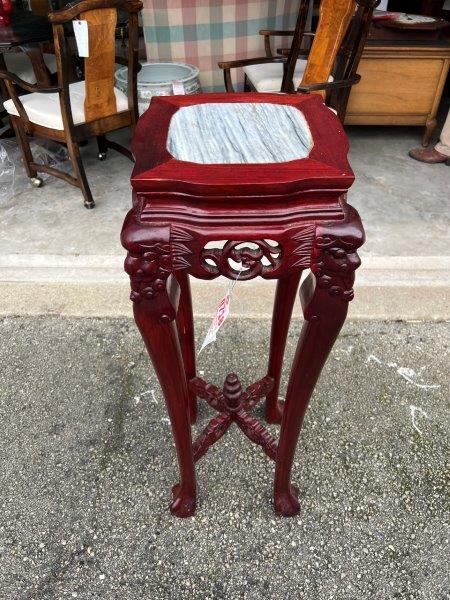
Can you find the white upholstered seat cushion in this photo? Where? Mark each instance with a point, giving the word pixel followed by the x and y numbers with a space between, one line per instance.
pixel 45 109
pixel 19 64
pixel 268 77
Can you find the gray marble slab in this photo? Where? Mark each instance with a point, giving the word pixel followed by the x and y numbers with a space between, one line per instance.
pixel 236 133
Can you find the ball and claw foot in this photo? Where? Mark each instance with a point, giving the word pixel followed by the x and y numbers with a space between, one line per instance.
pixel 36 182
pixel 274 415
pixel 101 156
pixel 183 502
pixel 286 503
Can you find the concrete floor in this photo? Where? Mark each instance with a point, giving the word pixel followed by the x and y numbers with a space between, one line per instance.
pixel 88 462
pixel 48 238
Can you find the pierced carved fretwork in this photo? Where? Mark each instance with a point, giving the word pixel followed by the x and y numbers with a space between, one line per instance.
pixel 256 257
pixel 233 405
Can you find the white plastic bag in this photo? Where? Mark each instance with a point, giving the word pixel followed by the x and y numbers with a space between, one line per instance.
pixel 13 177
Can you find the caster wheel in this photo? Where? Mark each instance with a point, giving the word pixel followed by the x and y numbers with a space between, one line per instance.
pixel 89 204
pixel 101 156
pixel 36 182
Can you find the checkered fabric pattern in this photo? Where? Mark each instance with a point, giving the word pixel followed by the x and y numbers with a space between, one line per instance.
pixel 205 32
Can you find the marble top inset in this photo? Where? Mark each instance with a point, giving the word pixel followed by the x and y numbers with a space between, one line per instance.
pixel 236 133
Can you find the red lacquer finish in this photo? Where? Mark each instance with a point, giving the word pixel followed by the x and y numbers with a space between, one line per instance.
pixel 296 217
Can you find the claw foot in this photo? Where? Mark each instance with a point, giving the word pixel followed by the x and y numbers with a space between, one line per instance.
pixel 274 413
pixel 286 503
pixel 183 502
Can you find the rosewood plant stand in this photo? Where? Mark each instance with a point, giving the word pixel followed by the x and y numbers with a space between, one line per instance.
pixel 269 174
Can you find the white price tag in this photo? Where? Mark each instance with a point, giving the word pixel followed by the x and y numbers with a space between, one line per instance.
pixel 178 88
pixel 80 29
pixel 223 310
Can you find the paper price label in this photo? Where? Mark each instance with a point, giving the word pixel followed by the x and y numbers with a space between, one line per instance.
pixel 223 310
pixel 80 28
pixel 178 88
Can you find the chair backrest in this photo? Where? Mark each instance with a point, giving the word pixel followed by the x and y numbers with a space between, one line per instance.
pixel 337 47
pixel 99 66
pixel 334 19
pixel 289 65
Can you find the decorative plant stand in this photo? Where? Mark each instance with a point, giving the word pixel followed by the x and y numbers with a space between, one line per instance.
pixel 269 174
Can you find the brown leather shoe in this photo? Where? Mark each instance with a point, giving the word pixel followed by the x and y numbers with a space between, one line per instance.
pixel 430 156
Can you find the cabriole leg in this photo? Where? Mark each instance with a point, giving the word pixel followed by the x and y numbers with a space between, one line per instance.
pixel 163 347
pixel 282 311
pixel 155 294
pixel 324 296
pixel 185 326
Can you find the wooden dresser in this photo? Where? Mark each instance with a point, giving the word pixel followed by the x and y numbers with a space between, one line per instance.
pixel 401 84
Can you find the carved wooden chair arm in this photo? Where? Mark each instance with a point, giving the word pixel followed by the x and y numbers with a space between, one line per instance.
pixel 12 80
pixel 281 32
pixel 329 85
pixel 73 9
pixel 29 87
pixel 268 33
pixel 286 51
pixel 235 64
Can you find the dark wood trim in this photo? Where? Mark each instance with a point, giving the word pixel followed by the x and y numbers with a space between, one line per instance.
pixel 73 10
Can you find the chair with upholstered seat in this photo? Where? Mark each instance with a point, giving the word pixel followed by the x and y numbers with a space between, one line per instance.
pixel 19 64
pixel 328 67
pixel 72 112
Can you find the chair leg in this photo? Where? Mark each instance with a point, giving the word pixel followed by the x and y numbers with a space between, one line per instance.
pixel 185 326
pixel 282 312
pixel 25 149
pixel 102 147
pixel 75 157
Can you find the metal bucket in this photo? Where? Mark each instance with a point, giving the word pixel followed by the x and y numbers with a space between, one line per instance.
pixel 161 79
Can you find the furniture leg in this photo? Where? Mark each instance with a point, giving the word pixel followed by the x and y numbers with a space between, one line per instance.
pixel 185 327
pixel 78 167
pixel 25 149
pixel 324 296
pixel 155 297
pixel 282 312
pixel 430 126
pixel 163 347
pixel 102 147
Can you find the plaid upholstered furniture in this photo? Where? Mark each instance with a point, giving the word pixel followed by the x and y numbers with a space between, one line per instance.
pixel 204 32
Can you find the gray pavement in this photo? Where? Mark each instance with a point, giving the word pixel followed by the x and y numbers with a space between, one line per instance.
pixel 87 465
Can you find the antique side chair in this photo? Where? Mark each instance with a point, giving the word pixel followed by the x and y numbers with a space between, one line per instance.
pixel 269 174
pixel 72 112
pixel 330 64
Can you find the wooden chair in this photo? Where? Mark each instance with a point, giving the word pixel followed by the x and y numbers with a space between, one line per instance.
pixel 328 68
pixel 72 112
